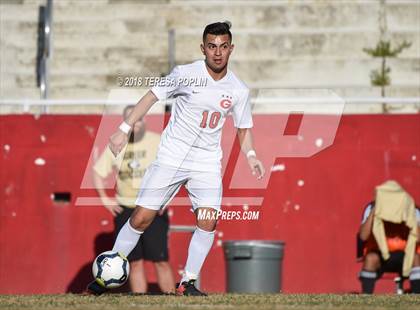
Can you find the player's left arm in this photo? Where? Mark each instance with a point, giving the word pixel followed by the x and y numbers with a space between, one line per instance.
pixel 247 147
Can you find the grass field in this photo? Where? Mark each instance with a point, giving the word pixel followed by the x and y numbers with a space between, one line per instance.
pixel 215 301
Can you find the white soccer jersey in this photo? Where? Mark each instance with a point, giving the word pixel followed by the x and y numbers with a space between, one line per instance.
pixel 192 137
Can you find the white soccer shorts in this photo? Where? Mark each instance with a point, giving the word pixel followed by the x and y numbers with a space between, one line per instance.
pixel 162 182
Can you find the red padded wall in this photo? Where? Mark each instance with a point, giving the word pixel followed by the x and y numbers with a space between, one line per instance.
pixel 47 247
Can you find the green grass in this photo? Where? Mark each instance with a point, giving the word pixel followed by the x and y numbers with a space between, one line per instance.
pixel 214 301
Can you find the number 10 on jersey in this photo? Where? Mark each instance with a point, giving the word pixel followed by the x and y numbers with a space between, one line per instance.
pixel 214 119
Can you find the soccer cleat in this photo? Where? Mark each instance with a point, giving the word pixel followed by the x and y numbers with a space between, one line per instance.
pixel 95 288
pixel 188 289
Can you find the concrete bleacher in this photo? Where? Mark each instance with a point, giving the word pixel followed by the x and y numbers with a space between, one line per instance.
pixel 279 44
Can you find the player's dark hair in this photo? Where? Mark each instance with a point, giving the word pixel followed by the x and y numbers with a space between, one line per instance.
pixel 219 28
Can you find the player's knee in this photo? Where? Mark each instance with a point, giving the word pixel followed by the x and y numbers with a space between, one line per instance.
pixel 207 225
pixel 141 218
pixel 207 222
pixel 372 261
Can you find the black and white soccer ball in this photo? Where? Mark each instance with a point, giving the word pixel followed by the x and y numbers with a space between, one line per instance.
pixel 111 269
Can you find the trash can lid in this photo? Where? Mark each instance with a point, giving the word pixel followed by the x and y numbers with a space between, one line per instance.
pixel 255 243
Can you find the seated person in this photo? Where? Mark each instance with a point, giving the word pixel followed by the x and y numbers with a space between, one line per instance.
pixel 396 238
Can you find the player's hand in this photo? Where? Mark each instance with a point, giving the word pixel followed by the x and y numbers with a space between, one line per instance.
pixel 117 142
pixel 256 166
pixel 112 206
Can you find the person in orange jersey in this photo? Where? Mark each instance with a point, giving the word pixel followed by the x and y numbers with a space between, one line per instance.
pixel 396 238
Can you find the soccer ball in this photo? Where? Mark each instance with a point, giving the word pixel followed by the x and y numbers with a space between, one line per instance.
pixel 110 269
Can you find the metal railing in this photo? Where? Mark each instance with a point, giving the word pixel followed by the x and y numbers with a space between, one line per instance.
pixel 44 49
pixel 265 100
pixel 265 104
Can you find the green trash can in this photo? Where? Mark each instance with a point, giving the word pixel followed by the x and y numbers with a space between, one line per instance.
pixel 253 266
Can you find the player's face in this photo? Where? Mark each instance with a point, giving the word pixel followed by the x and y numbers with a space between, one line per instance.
pixel 217 49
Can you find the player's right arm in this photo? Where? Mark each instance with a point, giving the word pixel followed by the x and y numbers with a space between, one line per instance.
pixel 103 167
pixel 109 203
pixel 366 227
pixel 418 234
pixel 418 224
pixel 119 139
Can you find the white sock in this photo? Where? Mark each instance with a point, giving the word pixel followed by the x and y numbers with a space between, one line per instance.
pixel 127 239
pixel 415 273
pixel 200 246
pixel 415 280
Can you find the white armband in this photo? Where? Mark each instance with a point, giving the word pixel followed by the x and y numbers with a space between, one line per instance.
pixel 125 128
pixel 251 153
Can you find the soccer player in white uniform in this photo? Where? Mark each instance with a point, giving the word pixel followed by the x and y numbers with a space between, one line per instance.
pixel 189 152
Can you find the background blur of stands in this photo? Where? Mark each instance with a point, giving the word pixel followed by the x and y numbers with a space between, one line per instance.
pixel 313 204
pixel 279 44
